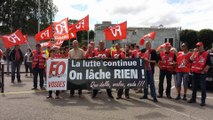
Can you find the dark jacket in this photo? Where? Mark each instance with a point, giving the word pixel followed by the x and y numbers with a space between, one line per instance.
pixel 13 53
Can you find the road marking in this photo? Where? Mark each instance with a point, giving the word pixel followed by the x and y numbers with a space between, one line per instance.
pixel 186 115
pixel 206 97
pixel 22 92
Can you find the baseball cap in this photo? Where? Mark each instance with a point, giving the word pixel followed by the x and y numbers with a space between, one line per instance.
pixel 199 44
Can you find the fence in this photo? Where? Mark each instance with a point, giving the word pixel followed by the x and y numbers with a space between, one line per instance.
pixel 2 77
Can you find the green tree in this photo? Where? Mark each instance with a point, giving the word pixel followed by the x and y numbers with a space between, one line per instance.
pixel 190 37
pixel 206 36
pixel 91 35
pixel 23 14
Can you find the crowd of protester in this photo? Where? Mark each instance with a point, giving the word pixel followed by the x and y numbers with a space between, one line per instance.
pixel 172 63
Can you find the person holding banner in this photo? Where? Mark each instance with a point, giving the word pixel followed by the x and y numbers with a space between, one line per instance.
pixel 150 57
pixel 38 65
pixel 167 61
pixel 89 53
pixel 52 56
pixel 119 54
pixel 76 53
pixel 102 53
pixel 16 57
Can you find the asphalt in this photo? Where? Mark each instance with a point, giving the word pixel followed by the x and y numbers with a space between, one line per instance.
pixel 19 102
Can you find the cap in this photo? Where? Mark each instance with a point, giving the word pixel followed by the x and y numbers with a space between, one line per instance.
pixel 199 44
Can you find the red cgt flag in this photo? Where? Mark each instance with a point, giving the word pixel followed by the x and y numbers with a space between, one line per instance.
pixel 72 31
pixel 82 24
pixel 13 39
pixel 45 44
pixel 61 30
pixel 45 34
pixel 58 43
pixel 149 35
pixel 116 32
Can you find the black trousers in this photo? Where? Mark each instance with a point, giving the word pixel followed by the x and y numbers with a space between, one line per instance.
pixel 95 92
pixel 199 79
pixel 120 92
pixel 56 93
pixel 36 72
pixel 72 92
pixel 168 75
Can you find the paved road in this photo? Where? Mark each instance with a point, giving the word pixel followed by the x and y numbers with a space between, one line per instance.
pixel 19 102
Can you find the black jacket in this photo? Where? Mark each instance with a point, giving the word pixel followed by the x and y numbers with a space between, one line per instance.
pixel 13 54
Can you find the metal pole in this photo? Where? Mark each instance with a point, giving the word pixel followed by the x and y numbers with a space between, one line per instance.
pixel 39 15
pixel 88 36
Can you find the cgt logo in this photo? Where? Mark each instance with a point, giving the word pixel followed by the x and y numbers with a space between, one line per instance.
pixel 14 38
pixel 116 30
pixel 57 68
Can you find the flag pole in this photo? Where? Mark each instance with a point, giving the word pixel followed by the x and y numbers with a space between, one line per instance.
pixel 88 37
pixel 39 15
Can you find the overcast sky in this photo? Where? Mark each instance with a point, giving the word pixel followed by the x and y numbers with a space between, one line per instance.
pixel 187 14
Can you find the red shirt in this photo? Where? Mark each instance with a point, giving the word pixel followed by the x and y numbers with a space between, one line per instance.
pixel 183 62
pixel 102 54
pixel 118 54
pixel 89 55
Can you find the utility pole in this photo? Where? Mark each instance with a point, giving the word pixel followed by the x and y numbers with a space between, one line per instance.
pixel 39 15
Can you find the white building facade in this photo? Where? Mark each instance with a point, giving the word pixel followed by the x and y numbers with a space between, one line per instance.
pixel 134 34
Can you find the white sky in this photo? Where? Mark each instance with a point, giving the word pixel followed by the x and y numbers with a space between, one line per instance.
pixel 187 14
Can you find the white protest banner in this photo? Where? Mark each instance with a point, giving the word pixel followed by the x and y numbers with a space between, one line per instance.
pixel 56 74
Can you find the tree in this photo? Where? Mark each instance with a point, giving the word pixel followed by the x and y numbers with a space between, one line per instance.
pixel 190 37
pixel 91 35
pixel 206 36
pixel 23 14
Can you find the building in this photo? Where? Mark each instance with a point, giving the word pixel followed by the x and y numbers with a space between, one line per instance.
pixel 134 34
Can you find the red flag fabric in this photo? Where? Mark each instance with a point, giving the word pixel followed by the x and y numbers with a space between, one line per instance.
pixel 45 44
pixel 58 43
pixel 116 32
pixel 45 34
pixel 72 31
pixel 149 35
pixel 61 30
pixel 13 39
pixel 82 24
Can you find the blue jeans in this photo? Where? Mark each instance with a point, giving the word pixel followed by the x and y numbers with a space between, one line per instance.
pixel 36 72
pixel 168 75
pixel 196 80
pixel 150 80
pixel 16 67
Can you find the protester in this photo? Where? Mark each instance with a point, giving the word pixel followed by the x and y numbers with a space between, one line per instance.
pixel 119 54
pixel 150 57
pixel 16 57
pixel 66 51
pixel 182 70
pixel 7 59
pixel 201 63
pixel 167 61
pixel 52 56
pixel 47 51
pixel 102 53
pixel 76 53
pixel 38 65
pixel 89 53
pixel 28 61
